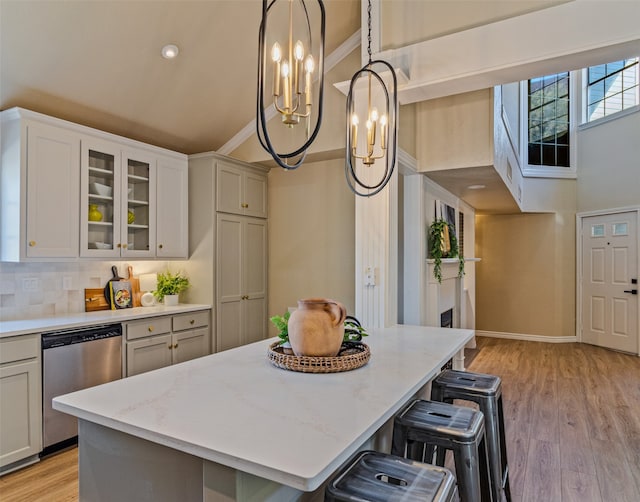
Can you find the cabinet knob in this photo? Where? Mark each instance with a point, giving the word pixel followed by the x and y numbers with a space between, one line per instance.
pixel 160 246
pixel 32 243
pixel 192 321
pixel 170 347
pixel 124 246
pixel 150 329
pixel 175 346
pixel 119 245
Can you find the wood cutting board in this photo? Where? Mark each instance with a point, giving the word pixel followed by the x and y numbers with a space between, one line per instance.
pixel 94 300
pixel 135 288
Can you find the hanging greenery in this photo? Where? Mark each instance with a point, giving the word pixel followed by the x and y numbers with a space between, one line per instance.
pixel 443 244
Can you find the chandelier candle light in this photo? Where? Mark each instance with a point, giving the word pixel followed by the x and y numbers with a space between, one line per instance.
pixel 378 143
pixel 292 95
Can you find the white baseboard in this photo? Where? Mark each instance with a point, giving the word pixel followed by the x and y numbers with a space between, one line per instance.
pixel 528 338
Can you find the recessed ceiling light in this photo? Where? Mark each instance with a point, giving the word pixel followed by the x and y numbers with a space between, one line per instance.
pixel 476 187
pixel 170 51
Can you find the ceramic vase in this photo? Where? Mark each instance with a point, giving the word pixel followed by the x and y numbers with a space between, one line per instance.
pixel 94 213
pixel 316 328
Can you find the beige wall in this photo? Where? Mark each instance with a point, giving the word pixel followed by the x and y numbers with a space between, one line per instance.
pixel 455 131
pixel 311 236
pixel 609 164
pixel 406 22
pixel 525 282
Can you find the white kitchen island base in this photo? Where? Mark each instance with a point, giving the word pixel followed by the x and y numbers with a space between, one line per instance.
pixel 231 426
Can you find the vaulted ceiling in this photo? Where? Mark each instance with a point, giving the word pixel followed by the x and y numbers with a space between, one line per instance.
pixel 98 63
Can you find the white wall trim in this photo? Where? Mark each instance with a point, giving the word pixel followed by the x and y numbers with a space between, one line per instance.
pixel 329 62
pixel 528 338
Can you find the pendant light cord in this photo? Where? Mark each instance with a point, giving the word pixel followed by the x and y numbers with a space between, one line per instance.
pixel 369 32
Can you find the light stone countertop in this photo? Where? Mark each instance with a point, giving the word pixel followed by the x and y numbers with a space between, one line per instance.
pixel 81 319
pixel 237 409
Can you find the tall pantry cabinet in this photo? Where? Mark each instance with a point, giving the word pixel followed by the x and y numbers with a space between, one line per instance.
pixel 228 243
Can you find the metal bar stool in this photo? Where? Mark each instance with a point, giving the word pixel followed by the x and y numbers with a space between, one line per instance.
pixel 421 425
pixel 370 476
pixel 486 391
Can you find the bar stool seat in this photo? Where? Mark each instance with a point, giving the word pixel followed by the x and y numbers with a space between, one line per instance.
pixel 486 391
pixel 370 476
pixel 423 425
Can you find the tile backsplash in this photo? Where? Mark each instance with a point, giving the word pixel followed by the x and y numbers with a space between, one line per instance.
pixel 29 290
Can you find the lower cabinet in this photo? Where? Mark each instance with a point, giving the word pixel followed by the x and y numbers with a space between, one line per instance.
pixel 161 341
pixel 20 399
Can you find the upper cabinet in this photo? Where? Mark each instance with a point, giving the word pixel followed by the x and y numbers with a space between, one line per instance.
pixel 39 192
pixel 69 191
pixel 241 191
pixel 172 208
pixel 117 201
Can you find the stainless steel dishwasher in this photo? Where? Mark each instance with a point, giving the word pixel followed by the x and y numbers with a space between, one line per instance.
pixel 74 360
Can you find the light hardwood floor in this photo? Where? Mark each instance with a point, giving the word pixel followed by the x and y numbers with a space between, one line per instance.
pixel 572 417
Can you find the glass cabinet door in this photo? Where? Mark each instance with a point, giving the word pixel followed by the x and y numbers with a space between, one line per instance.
pixel 138 205
pixel 100 190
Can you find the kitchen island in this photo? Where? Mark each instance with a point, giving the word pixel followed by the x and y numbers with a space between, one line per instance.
pixel 231 426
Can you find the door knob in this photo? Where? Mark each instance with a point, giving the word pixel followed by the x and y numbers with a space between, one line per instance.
pixel 632 291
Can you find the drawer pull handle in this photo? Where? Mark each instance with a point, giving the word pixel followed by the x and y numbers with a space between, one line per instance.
pixel 160 246
pixel 192 321
pixel 32 243
pixel 150 329
pixel 245 205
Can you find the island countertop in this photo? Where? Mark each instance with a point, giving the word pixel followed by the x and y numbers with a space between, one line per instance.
pixel 236 409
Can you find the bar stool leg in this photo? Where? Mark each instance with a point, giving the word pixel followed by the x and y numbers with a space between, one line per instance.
pixel 468 484
pixel 503 453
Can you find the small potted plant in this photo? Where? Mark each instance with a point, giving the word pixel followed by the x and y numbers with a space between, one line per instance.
pixel 170 285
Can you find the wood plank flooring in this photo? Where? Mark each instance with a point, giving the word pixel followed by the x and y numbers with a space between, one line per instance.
pixel 572 419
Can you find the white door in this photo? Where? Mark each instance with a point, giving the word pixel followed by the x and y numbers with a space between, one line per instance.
pixel 609 269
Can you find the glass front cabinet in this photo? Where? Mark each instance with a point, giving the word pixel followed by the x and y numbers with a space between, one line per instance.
pixel 117 211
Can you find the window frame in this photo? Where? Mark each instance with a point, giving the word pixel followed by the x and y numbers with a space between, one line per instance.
pixel 536 171
pixel 584 89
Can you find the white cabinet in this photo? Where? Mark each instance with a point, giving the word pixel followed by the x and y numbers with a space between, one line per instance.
pixel 20 400
pixel 39 192
pixel 241 280
pixel 161 341
pixel 241 191
pixel 117 201
pixel 172 209
pixel 69 191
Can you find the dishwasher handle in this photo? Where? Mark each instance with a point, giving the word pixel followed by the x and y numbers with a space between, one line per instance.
pixel 69 337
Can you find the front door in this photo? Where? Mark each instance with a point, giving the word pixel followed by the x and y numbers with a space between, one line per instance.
pixel 609 280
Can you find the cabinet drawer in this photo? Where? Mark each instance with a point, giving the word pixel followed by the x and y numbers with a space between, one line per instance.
pixel 190 320
pixel 17 348
pixel 148 327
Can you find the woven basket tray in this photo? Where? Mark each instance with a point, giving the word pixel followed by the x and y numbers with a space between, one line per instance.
pixel 309 364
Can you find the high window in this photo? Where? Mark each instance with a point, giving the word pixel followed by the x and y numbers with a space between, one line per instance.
pixel 611 88
pixel 548 121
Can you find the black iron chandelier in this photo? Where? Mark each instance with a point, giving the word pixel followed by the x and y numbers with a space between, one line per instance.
pixel 294 94
pixel 380 109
